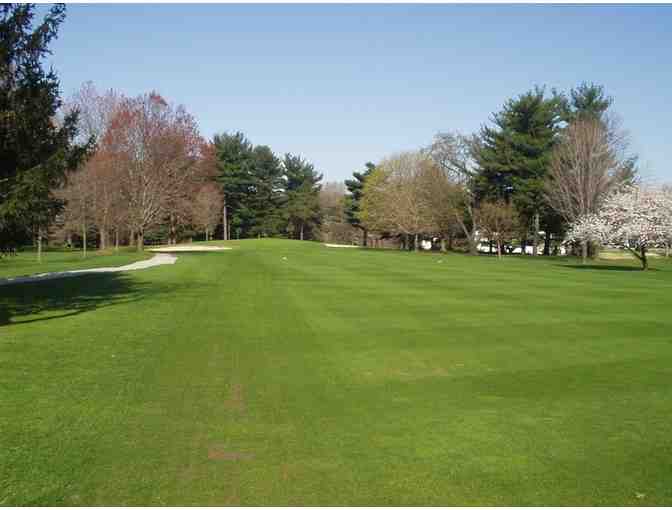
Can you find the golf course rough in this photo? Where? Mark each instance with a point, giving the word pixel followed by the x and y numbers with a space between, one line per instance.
pixel 285 373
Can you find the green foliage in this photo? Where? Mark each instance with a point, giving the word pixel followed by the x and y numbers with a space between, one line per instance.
pixel 303 191
pixel 372 204
pixel 251 179
pixel 513 155
pixel 234 155
pixel 353 200
pixel 586 100
pixel 36 152
pixel 265 196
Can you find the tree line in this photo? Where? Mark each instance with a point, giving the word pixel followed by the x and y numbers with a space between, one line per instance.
pixel 152 174
pixel 543 162
pixel 104 169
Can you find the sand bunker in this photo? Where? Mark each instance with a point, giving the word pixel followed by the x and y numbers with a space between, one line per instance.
pixel 157 260
pixel 186 247
pixel 340 245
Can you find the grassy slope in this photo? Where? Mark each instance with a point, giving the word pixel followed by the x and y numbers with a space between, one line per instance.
pixel 25 263
pixel 339 377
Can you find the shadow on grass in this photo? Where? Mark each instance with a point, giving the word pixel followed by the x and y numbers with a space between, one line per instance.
pixel 605 267
pixel 66 297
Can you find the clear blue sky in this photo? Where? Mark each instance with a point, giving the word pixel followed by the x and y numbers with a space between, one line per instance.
pixel 345 84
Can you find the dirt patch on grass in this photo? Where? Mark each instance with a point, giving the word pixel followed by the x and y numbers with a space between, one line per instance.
pixel 219 454
pixel 234 497
pixel 236 400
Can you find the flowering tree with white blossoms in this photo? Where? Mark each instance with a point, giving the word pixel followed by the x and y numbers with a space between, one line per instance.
pixel 666 191
pixel 634 217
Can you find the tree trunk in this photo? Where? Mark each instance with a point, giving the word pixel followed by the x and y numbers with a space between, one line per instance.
pixel 584 252
pixel 547 243
pixel 535 238
pixel 39 245
pixel 499 249
pixel 443 245
pixel 140 240
pixel 450 242
pixel 667 250
pixel 116 239
pixel 416 244
pixel 640 255
pixel 172 230
pixel 365 237
pixel 301 232
pixel 225 227
pixel 473 248
pixel 103 239
pixel 84 240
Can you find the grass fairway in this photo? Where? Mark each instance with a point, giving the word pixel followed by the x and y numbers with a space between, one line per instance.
pixel 339 377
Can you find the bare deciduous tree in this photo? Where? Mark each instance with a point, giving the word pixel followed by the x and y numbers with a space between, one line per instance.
pixel 96 111
pixel 498 222
pixel 590 161
pixel 452 152
pixel 178 159
pixel 79 198
pixel 154 149
pixel 396 198
pixel 335 226
pixel 441 191
pixel 207 208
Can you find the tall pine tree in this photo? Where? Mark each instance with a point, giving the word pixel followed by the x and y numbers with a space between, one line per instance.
pixel 234 158
pixel 303 190
pixel 267 196
pixel 353 200
pixel 586 100
pixel 513 156
pixel 36 151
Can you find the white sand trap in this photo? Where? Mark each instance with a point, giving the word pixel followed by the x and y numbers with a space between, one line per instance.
pixel 340 245
pixel 187 247
pixel 157 260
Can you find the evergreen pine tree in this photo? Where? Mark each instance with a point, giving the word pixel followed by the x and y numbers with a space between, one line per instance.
pixel 36 151
pixel 513 156
pixel 234 160
pixel 353 200
pixel 303 189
